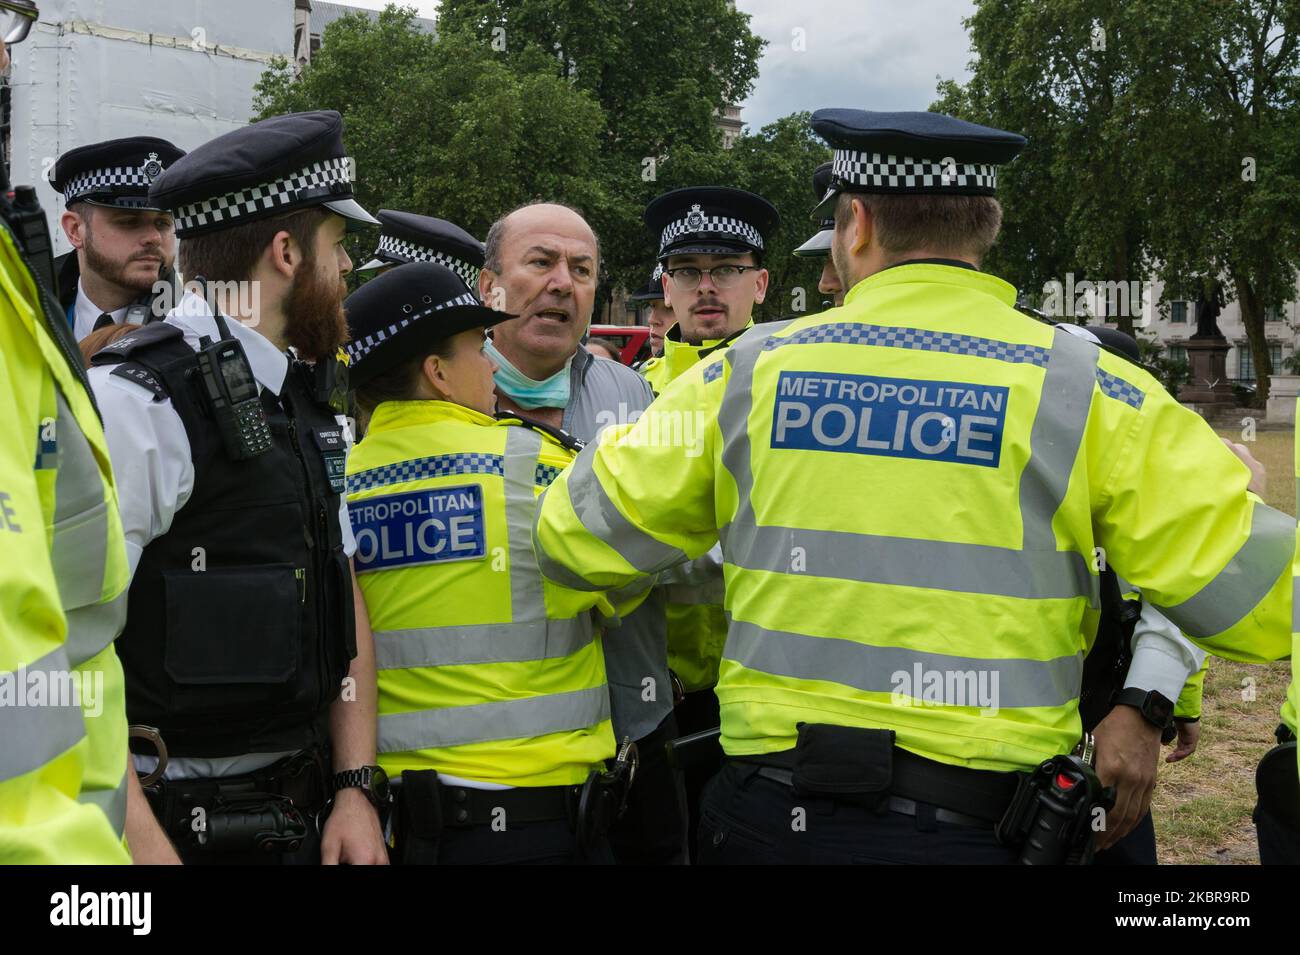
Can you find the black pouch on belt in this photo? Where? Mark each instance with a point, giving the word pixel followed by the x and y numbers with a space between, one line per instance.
pixel 417 827
pixel 845 763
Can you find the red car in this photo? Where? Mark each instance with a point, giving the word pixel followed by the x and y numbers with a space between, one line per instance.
pixel 631 339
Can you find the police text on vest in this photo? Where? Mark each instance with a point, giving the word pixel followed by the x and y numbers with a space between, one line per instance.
pixel 423 527
pixel 896 417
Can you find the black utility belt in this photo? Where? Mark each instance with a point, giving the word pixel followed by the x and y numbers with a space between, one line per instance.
pixel 271 809
pixel 1049 815
pixel 425 807
pixel 864 766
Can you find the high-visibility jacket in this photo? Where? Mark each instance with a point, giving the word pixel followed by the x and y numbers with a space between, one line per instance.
pixel 486 671
pixel 697 625
pixel 61 549
pixel 1291 706
pixel 680 356
pixel 909 491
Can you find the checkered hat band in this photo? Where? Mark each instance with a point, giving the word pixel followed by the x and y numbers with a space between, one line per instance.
pixel 358 349
pixel 710 227
pixel 324 175
pixel 876 171
pixel 118 179
pixel 410 252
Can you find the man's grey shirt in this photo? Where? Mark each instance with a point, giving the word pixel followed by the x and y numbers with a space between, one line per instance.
pixel 603 392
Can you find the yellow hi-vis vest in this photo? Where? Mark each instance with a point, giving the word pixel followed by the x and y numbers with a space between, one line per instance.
pixel 1291 706
pixel 697 625
pixel 486 671
pixel 63 564
pixel 910 491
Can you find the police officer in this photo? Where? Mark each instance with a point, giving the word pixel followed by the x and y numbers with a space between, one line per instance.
pixel 909 491
pixel 54 481
pixel 224 427
pixel 494 706
pixel 711 241
pixel 408 237
pixel 819 246
pixel 660 317
pixel 122 243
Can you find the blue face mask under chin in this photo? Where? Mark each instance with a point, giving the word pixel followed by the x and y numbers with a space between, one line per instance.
pixel 525 391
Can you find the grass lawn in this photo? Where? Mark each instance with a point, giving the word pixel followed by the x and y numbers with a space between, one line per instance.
pixel 1202 805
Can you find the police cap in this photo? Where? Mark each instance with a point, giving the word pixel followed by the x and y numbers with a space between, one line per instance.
pixel 653 290
pixel 715 220
pixel 405 312
pixel 910 153
pixel 262 170
pixel 820 244
pixel 408 237
pixel 114 173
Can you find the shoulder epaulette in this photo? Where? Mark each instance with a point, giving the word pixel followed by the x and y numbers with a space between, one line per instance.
pixel 131 346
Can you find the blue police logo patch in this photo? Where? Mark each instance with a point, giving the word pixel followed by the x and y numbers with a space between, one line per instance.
pixel 436 526
pixel 896 417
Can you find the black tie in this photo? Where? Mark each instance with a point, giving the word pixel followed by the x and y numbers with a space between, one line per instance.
pixel 104 321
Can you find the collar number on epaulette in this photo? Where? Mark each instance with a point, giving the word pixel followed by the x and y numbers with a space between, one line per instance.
pixel 143 377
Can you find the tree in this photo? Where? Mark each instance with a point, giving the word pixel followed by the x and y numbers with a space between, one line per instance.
pixel 660 69
pixel 443 126
pixel 1164 136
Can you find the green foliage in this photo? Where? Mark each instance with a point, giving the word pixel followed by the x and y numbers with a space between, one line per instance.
pixel 1164 137
pixel 445 127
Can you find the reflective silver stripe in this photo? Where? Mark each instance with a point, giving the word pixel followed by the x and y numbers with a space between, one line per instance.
pixel 93 628
pixel 481 643
pixel 1295 605
pixel 1020 683
pixel 602 519
pixel 79 550
pixel 552 568
pixel 1056 435
pixel 1246 579
pixel 711 592
pixel 519 467
pixel 1043 572
pixel 907 562
pixel 112 801
pixel 484 722
pixel 31 736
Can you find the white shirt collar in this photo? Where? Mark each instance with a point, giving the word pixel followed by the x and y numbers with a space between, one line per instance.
pixel 193 317
pixel 87 313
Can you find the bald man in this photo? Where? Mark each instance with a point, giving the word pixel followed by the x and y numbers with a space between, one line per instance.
pixel 541 265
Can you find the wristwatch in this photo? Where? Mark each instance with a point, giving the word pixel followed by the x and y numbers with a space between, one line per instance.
pixel 1155 707
pixel 371 780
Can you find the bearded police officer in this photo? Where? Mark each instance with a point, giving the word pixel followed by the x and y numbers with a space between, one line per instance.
pixel 408 237
pixel 123 243
pixel 819 246
pixel 909 491
pixel 224 426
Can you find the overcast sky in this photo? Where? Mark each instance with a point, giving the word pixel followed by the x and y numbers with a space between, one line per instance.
pixel 872 54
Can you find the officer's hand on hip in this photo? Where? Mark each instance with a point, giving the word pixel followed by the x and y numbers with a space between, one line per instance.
pixel 1189 735
pixel 1258 478
pixel 1128 753
pixel 352 834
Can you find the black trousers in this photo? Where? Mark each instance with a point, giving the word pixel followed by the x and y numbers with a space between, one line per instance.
pixel 652 830
pixel 1137 848
pixel 699 711
pixel 1279 842
pixel 534 843
pixel 747 819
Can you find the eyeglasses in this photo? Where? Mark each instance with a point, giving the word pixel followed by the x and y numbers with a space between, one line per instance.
pixel 723 276
pixel 16 19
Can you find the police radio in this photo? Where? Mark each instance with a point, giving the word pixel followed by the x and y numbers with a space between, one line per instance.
pixel 232 393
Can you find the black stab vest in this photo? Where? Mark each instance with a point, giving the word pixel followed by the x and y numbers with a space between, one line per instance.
pixel 240 622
